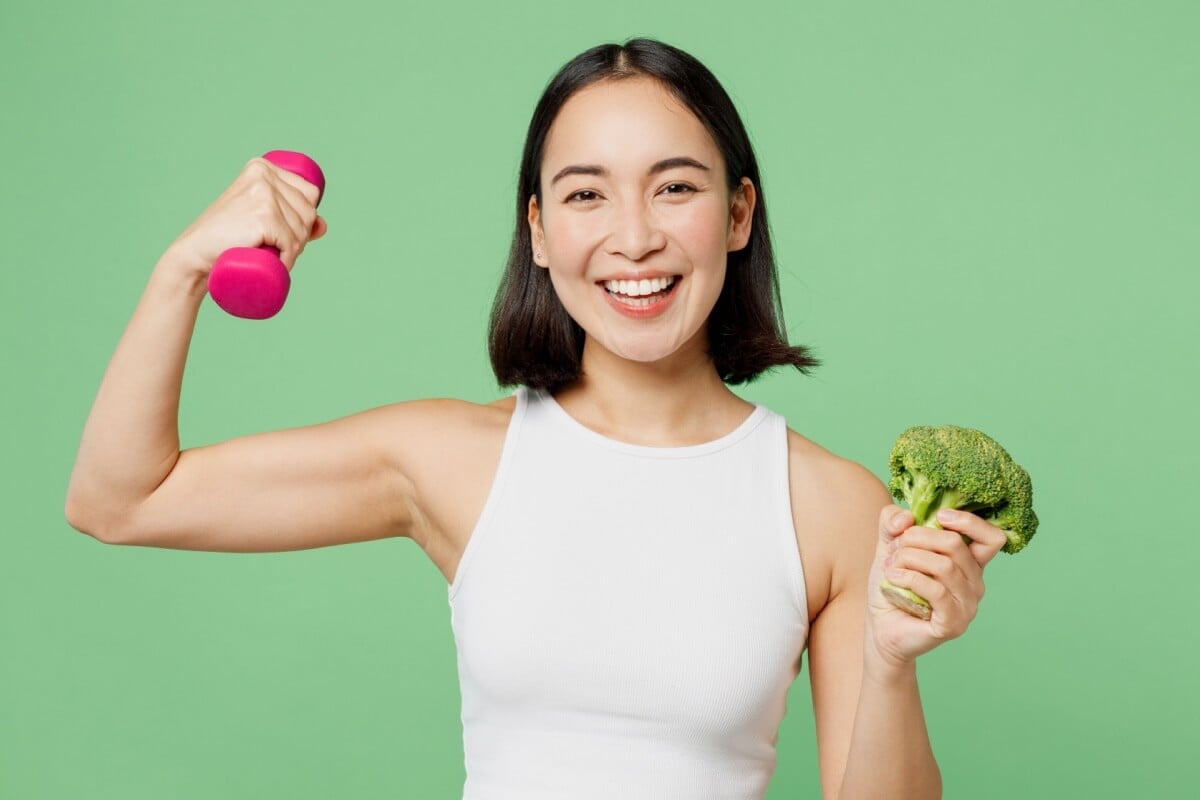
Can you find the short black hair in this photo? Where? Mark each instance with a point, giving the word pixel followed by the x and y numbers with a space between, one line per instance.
pixel 532 340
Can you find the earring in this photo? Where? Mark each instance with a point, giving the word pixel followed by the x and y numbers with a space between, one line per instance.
pixel 537 253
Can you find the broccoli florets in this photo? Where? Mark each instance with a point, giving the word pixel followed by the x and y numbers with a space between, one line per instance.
pixel 953 467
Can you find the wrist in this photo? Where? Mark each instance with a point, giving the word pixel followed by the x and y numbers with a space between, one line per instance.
pixel 174 275
pixel 887 672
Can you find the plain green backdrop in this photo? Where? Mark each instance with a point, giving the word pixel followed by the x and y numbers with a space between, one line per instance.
pixel 985 213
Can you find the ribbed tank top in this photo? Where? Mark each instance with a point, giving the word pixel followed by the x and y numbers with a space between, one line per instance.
pixel 628 619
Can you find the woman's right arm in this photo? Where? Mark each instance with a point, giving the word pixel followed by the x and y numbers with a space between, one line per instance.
pixel 284 490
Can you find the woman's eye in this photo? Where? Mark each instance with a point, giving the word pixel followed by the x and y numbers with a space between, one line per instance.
pixel 678 188
pixel 584 195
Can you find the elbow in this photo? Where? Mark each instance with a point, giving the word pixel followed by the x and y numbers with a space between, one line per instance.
pixel 76 517
pixel 85 519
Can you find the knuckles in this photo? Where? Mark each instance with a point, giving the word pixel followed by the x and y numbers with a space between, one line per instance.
pixel 888 516
pixel 311 193
pixel 936 591
pixel 257 168
pixel 942 567
pixel 260 189
pixel 260 171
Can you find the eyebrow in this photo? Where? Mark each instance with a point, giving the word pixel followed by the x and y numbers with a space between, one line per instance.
pixel 657 167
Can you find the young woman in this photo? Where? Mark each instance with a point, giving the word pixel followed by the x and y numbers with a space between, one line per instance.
pixel 636 557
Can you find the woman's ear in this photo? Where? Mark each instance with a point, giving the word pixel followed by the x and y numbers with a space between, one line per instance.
pixel 741 215
pixel 537 237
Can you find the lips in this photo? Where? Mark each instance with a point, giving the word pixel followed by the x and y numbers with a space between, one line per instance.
pixel 642 298
pixel 639 288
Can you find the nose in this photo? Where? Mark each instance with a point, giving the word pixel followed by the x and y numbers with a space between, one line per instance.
pixel 634 233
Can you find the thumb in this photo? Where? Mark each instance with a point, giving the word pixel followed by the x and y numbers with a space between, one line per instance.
pixel 319 229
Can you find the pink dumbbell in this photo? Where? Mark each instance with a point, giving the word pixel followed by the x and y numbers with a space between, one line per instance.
pixel 251 282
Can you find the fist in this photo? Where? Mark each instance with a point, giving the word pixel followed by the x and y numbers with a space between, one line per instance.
pixel 264 206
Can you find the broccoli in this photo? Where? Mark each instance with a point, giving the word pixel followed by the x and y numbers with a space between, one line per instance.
pixel 953 467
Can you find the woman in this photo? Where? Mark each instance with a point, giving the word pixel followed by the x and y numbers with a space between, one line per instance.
pixel 636 557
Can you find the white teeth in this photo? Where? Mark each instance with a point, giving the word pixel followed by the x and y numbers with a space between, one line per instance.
pixel 638 288
pixel 636 302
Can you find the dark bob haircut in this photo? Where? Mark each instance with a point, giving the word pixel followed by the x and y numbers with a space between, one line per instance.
pixel 532 340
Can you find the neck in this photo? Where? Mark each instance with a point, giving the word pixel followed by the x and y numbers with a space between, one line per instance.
pixel 677 401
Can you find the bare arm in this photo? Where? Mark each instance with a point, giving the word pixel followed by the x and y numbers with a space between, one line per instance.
pixel 130 441
pixel 284 490
pixel 871 731
pixel 871 735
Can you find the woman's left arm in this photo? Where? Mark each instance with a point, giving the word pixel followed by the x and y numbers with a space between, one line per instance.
pixel 871 733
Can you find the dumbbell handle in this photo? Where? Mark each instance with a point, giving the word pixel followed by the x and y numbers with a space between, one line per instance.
pixel 252 282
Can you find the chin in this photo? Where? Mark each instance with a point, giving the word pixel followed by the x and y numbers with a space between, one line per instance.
pixel 644 356
pixel 647 352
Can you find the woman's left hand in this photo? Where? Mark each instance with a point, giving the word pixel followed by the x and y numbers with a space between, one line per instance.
pixel 936 564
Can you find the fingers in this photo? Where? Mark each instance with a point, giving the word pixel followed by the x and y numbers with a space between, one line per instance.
pixel 986 539
pixel 942 565
pixel 941 554
pixel 949 614
pixel 263 206
pixel 893 521
pixel 297 186
pixel 320 228
pixel 310 193
pixel 303 203
pixel 939 566
pixel 288 211
pixel 299 196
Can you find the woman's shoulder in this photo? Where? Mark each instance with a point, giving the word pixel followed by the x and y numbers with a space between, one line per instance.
pixel 437 416
pixel 835 511
pixel 837 478
pixel 453 409
pixel 443 425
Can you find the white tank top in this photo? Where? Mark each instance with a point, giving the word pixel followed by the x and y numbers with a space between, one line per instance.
pixel 628 619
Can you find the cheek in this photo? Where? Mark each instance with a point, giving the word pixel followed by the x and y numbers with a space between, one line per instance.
pixel 569 235
pixel 701 230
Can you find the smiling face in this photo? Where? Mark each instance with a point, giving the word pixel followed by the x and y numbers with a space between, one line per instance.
pixel 636 218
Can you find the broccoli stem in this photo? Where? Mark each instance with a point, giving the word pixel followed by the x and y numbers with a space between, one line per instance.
pixel 906 599
pixel 924 500
pixel 927 499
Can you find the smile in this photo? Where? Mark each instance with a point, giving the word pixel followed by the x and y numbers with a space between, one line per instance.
pixel 644 298
pixel 640 294
pixel 640 288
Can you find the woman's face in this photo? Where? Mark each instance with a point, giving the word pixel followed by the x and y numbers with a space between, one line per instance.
pixel 636 219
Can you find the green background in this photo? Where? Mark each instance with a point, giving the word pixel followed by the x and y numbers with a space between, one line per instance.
pixel 986 213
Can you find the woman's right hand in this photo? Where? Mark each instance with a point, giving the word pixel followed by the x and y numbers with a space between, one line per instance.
pixel 265 205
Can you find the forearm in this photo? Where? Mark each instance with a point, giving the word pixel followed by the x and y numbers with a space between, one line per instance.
pixel 890 755
pixel 130 441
